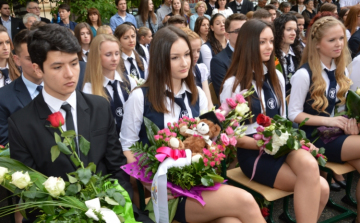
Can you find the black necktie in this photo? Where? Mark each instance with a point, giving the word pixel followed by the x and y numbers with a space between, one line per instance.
pixel 133 69
pixel 331 96
pixel 39 88
pixel 5 73
pixel 86 54
pixel 288 65
pixel 270 101
pixel 181 103
pixel 116 105
pixel 69 121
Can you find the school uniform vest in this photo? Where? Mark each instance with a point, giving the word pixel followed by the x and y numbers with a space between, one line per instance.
pixel 157 117
pixel 197 76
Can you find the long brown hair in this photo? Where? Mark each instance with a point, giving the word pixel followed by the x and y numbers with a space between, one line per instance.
pixel 247 57
pixel 181 11
pixel 144 12
pixel 77 30
pixel 215 43
pixel 160 73
pixel 93 11
pixel 14 72
pixel 351 19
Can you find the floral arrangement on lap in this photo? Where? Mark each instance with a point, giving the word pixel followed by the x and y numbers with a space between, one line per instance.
pixel 86 197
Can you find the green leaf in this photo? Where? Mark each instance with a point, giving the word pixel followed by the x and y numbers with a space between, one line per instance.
pixel 151 130
pixel 57 137
pixel 314 133
pixel 31 193
pixel 55 152
pixel 303 122
pixel 207 181
pixel 5 152
pixel 69 133
pixel 75 160
pixel 110 191
pixel 302 134
pixel 91 167
pixel 278 132
pixel 216 178
pixel 119 198
pixel 111 201
pixel 49 209
pixel 313 152
pixel 267 133
pixel 72 179
pixel 71 190
pixel 321 150
pixel 63 148
pixel 269 146
pixel 84 145
pixel 288 124
pixel 84 175
pixel 290 143
pixel 321 161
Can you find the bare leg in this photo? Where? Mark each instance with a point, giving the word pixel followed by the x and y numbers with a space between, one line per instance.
pixel 226 202
pixel 300 174
pixel 226 220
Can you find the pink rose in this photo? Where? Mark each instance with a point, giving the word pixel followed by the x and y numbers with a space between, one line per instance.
pixel 260 128
pixel 236 124
pixel 167 139
pixel 205 160
pixel 212 163
pixel 240 98
pixel 220 117
pixel 168 124
pixel 206 152
pixel 161 137
pixel 257 136
pixel 173 134
pixel 156 137
pixel 161 132
pixel 224 139
pixel 192 120
pixel 233 141
pixel 265 138
pixel 231 103
pixel 225 107
pixel 229 131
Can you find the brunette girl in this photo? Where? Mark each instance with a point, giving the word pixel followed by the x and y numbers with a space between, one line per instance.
pixel 146 16
pixel 352 22
pixel 202 28
pixel 225 11
pixel 84 35
pixel 94 20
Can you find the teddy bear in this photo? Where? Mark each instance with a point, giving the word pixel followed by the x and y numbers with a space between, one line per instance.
pixel 175 143
pixel 201 136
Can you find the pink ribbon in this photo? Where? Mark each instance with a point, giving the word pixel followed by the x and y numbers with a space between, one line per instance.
pixel 164 152
pixel 261 151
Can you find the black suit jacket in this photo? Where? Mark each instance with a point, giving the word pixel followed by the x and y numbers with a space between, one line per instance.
pixel 246 7
pixel 81 75
pixel 354 43
pixel 218 67
pixel 209 9
pixel 16 26
pixel 45 20
pixel 14 97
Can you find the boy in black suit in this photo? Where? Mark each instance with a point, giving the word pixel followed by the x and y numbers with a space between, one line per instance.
pixel 53 52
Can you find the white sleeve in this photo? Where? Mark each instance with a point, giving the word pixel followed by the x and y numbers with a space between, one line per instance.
pixel 203 102
pixel 204 72
pixel 282 85
pixel 300 82
pixel 348 34
pixel 132 119
pixel 146 69
pixel 354 76
pixel 87 88
pixel 227 89
pixel 206 55
pixel 214 12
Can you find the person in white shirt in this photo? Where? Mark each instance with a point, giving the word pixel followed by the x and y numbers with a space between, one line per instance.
pixel 84 35
pixel 163 12
pixel 255 56
pixel 225 11
pixel 170 80
pixel 322 83
pixel 353 68
pixel 132 63
pixel 145 37
pixel 104 78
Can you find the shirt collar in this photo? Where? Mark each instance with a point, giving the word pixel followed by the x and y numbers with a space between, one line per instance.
pixel 84 51
pixel 117 14
pixel 124 56
pixel 30 85
pixel 116 77
pixel 6 20
pixel 291 52
pixel 332 67
pixel 183 88
pixel 231 48
pixel 55 103
pixel 265 69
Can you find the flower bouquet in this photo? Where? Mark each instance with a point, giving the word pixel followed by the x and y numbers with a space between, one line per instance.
pixel 86 197
pixel 277 137
pixel 353 104
pixel 4 150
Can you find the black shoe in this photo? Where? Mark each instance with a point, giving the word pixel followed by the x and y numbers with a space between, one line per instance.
pixel 335 187
pixel 341 183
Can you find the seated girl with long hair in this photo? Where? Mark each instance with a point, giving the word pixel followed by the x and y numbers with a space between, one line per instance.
pixel 169 93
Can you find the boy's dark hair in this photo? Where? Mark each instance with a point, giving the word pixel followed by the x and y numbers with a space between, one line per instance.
pixel 177 19
pixel 19 39
pixel 50 37
pixel 117 2
pixel 65 6
pixel 234 17
pixel 3 3
pixel 261 14
pixel 269 7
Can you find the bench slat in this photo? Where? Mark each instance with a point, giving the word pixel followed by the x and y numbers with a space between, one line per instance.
pixel 339 168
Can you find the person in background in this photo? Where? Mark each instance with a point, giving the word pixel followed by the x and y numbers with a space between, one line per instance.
pixel 33 7
pixel 216 39
pixel 104 29
pixel 178 21
pixel 13 25
pixel 162 12
pixel 94 20
pixel 64 13
pixel 176 9
pixel 226 11
pixel 187 10
pixel 328 7
pixel 146 16
pixel 210 6
pixel 284 7
pixel 299 7
pixel 202 28
pixel 121 16
pixel 352 22
pixel 200 9
pixel 309 12
pixel 343 14
pixel 272 9
pixel 261 4
pixel 301 24
pixel 29 19
pixel 84 35
pixel 241 6
pixel 145 37
pixel 263 14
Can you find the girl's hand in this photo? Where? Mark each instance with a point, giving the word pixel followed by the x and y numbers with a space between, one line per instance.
pixel 338 121
pixel 351 127
pixel 310 146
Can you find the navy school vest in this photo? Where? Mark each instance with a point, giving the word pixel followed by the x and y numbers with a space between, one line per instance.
pixel 158 118
pixel 197 76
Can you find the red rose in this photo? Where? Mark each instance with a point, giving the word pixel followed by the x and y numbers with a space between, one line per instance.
pixel 265 211
pixel 56 119
pixel 2 147
pixel 263 120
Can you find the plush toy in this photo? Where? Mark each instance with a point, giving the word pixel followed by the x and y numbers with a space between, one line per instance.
pixel 175 143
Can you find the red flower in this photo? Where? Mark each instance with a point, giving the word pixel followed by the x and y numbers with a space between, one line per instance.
pixel 2 147
pixel 56 119
pixel 263 120
pixel 265 211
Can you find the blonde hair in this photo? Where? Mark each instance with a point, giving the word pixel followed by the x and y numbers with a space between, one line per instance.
pixel 198 4
pixel 191 34
pixel 94 72
pixel 102 29
pixel 312 57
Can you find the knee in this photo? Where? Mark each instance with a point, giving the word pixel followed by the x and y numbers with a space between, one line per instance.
pixel 247 201
pixel 325 190
pixel 308 166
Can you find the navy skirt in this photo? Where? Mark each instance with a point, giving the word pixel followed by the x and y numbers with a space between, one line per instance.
pixel 180 211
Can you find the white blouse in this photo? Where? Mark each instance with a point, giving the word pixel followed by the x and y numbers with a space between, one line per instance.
pixel 300 82
pixel 354 76
pixel 127 64
pixel 204 72
pixel 227 93
pixel 134 109
pixel 226 13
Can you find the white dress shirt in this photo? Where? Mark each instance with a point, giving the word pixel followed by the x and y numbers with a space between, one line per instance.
pixel 227 93
pixel 146 50
pixel 300 82
pixel 134 109
pixel 354 68
pixel 127 64
pixel 31 87
pixel 226 13
pixel 204 72
pixel 2 77
pixel 84 54
pixel 87 86
pixel 206 55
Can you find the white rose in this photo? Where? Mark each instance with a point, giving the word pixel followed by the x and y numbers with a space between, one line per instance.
pixel 55 186
pixel 241 109
pixel 20 179
pixel 357 91
pixel 196 158
pixel 3 171
pixel 277 142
